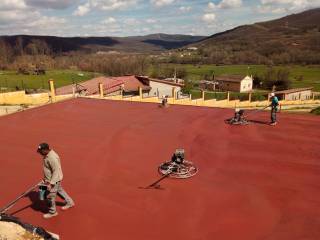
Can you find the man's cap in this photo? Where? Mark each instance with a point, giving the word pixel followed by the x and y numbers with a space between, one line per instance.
pixel 43 146
pixel 272 94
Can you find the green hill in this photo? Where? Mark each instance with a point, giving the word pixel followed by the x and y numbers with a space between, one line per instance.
pixel 291 39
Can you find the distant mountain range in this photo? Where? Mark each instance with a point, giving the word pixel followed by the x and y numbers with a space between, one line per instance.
pixel 148 43
pixel 294 38
pixel 291 39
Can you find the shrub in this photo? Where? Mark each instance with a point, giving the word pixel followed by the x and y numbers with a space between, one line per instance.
pixel 188 86
pixel 316 111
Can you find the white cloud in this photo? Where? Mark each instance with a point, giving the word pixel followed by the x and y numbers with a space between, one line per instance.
pixel 209 17
pixel 102 29
pixel 161 3
pixel 151 21
pixel 212 6
pixel 226 4
pixel 17 17
pixel 113 4
pixel 82 10
pixel 185 9
pixel 269 9
pixel 46 22
pixel 109 20
pixel 131 21
pixel 12 5
pixel 12 16
pixel 106 5
pixel 146 29
pixel 53 4
pixel 30 22
pixel 286 6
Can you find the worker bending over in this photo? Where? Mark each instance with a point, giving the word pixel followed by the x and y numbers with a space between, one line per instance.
pixel 239 116
pixel 164 102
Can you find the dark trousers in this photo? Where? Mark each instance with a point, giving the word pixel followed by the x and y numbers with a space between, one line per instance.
pixel 273 115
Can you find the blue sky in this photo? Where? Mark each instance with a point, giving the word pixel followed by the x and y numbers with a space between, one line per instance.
pixel 138 17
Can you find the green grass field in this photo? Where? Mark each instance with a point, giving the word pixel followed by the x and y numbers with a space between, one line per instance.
pixel 10 80
pixel 311 74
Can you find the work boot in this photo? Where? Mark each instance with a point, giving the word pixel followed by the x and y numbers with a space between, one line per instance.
pixel 50 215
pixel 67 206
pixel 273 124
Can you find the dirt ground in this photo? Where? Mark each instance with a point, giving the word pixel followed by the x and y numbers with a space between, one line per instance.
pixel 12 231
pixel 4 110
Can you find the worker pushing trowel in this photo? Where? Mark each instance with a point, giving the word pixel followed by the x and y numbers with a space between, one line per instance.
pixel 50 186
pixel 240 118
pixel 164 102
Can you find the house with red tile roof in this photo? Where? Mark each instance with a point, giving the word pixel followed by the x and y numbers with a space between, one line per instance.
pixel 129 85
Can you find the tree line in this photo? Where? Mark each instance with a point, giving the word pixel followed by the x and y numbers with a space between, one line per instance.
pixel 38 53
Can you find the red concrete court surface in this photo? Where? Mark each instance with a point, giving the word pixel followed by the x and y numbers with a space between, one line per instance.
pixel 255 181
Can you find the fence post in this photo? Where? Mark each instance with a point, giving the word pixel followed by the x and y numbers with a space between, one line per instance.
pixel 228 96
pixel 203 94
pixel 174 94
pixel 250 96
pixel 101 90
pixel 313 96
pixel 52 91
pixel 140 92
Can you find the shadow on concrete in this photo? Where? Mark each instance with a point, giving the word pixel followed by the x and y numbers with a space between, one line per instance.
pixel 36 204
pixel 259 122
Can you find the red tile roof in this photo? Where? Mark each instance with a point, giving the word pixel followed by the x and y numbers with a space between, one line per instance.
pixel 230 78
pixel 132 83
pixel 110 84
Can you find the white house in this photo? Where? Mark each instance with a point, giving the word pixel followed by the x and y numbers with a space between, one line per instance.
pixel 295 94
pixel 162 87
